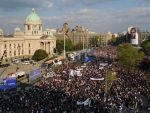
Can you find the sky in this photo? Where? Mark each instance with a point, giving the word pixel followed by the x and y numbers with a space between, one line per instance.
pixel 96 15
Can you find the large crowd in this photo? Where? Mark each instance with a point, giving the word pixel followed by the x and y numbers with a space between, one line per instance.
pixel 105 52
pixel 80 88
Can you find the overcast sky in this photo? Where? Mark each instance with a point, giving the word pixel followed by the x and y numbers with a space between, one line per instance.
pixel 96 15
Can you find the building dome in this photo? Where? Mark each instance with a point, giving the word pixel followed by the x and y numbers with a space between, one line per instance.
pixel 17 29
pixel 33 18
pixel 1 30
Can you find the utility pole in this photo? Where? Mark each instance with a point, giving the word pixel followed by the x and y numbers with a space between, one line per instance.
pixel 83 42
pixel 64 46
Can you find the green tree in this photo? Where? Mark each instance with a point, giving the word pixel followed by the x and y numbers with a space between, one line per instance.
pixel 128 55
pixel 111 76
pixel 79 46
pixel 60 45
pixel 69 45
pixel 146 47
pixel 94 41
pixel 120 39
pixel 39 55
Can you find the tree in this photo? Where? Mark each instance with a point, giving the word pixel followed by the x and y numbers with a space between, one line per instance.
pixel 146 47
pixel 94 41
pixel 39 55
pixel 60 45
pixel 129 56
pixel 120 39
pixel 69 45
pixel 79 46
pixel 111 76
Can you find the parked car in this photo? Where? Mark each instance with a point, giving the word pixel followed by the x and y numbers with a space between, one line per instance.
pixel 4 65
pixel 15 61
pixel 26 62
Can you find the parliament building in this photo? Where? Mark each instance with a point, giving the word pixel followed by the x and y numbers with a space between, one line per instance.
pixel 23 44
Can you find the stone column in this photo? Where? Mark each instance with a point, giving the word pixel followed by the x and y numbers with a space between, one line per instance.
pixel 49 47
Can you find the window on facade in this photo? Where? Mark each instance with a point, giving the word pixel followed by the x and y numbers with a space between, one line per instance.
pixel 28 27
pixel 14 45
pixel 22 44
pixel 10 46
pixel 29 51
pixel 29 45
pixel 10 53
pixel 5 55
pixel 14 53
pixel 22 51
pixel 34 32
pixel 39 27
pixel 5 46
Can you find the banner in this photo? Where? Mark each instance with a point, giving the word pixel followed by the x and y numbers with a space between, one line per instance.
pixel 134 39
pixel 8 83
pixel 34 74
pixel 96 78
pixel 85 103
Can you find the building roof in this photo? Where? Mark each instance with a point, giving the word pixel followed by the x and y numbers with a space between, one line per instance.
pixel 33 18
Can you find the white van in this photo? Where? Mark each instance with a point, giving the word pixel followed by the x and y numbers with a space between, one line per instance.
pixel 20 74
pixel 26 62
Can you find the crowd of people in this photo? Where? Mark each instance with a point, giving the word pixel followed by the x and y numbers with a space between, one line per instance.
pixel 80 88
pixel 105 52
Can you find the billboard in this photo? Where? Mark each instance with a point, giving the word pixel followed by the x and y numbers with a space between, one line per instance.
pixel 133 35
pixel 34 74
pixel 8 83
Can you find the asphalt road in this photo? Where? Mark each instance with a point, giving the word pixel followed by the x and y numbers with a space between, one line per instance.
pixel 17 67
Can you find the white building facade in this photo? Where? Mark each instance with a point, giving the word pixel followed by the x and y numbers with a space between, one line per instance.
pixel 25 43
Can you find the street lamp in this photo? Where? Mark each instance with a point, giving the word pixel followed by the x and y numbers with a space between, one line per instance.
pixel 83 41
pixel 64 46
pixel 65 30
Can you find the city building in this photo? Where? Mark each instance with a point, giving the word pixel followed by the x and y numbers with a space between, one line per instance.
pixel 82 35
pixel 143 35
pixel 25 43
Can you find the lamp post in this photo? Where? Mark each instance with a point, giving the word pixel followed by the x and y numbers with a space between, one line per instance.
pixel 65 30
pixel 64 46
pixel 83 42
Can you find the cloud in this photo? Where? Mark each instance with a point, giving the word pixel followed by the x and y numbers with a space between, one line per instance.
pixel 12 5
pixel 83 2
pixel 104 20
pixel 93 19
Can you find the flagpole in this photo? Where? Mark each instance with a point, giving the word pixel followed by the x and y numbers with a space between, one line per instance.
pixel 64 46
